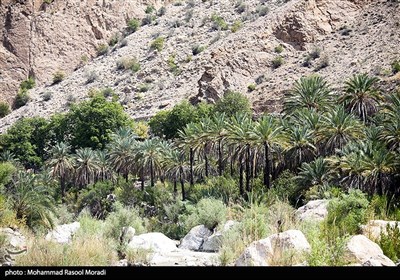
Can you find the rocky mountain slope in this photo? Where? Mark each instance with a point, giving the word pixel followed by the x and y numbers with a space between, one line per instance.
pixel 352 37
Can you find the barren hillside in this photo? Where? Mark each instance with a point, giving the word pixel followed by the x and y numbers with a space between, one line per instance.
pixel 352 36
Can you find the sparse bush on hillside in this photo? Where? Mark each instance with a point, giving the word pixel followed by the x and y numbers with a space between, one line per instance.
pixel 46 96
pixel 218 22
pixel 262 10
pixel 4 109
pixel 236 26
pixel 315 53
pixel 58 77
pixel 251 87
pixel 21 99
pixel 232 103
pixel 128 63
pixel 150 9
pixel 396 66
pixel 123 43
pixel 133 25
pixel 148 19
pixel 277 62
pixel 102 49
pixel 279 49
pixel 144 87
pixel 240 7
pixel 173 66
pixel 113 40
pixel 197 49
pixel 323 63
pixel 161 11
pixel 157 44
pixel 91 76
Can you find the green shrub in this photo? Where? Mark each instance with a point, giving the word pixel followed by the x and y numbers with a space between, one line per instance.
pixel 197 49
pixel 21 99
pixel 251 87
pixel 148 19
pixel 236 26
pixel 173 66
pixel 48 1
pixel 262 10
pixel 390 242
pixel 347 212
pixel 144 87
pixel 123 217
pixel 218 22
pixel 315 53
pixel 58 77
pixel 27 84
pixel 4 109
pixel 63 215
pixel 102 49
pixel 209 212
pixel 279 49
pixel 108 92
pixel 232 103
pixel 133 25
pixel 128 63
pixel 113 40
pixel 277 62
pixel 322 64
pixel 94 197
pixel 157 44
pixel 150 9
pixel 91 76
pixel 219 187
pixel 396 66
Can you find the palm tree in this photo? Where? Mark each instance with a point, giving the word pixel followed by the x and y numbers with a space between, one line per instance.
pixel 391 122
pixel 337 129
pixel 105 172
pixel 300 146
pixel 218 134
pixel 188 141
pixel 86 166
pixel 121 151
pixel 61 164
pixel 309 92
pixel 240 128
pixel 268 133
pixel 149 155
pixel 31 201
pixel 361 97
pixel 315 173
pixel 177 166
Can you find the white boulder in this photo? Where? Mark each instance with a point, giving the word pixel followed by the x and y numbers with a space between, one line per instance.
pixel 213 242
pixel 195 238
pixel 315 210
pixel 63 234
pixel 154 241
pixel 14 239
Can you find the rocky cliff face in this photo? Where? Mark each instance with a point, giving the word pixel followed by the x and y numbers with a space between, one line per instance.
pixel 351 36
pixel 38 38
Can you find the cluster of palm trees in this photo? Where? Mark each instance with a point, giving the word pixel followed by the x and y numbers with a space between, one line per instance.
pixel 352 140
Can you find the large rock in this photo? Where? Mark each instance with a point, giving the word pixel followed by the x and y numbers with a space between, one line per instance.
pixel 273 249
pixel 213 242
pixel 181 257
pixel 127 233
pixel 374 228
pixel 63 234
pixel 195 238
pixel 361 250
pixel 154 241
pixel 14 239
pixel 315 210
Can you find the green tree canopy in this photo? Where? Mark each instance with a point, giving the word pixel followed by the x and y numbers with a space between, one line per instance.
pixel 232 103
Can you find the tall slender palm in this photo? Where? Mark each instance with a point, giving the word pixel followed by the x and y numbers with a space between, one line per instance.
pixel 311 92
pixel 86 166
pixel 391 122
pixel 218 134
pixel 105 172
pixel 61 164
pixel 149 155
pixel 240 128
pixel 300 146
pixel 177 168
pixel 337 129
pixel 203 140
pixel 268 133
pixel 361 97
pixel 188 141
pixel 120 151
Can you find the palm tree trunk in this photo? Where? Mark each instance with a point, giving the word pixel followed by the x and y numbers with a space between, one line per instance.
pixel 126 176
pixel 142 179
pixel 206 159
pixel 220 167
pixel 175 187
pixel 241 190
pixel 151 174
pixel 62 184
pixel 266 166
pixel 191 158
pixel 182 184
pixel 248 168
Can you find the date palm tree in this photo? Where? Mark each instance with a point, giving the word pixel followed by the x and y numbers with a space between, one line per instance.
pixel 61 164
pixel 177 168
pixel 316 173
pixel 361 97
pixel 149 156
pixel 86 166
pixel 311 92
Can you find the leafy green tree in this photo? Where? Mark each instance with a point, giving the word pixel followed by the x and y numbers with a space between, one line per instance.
pixel 27 140
pixel 92 122
pixel 6 171
pixel 231 103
